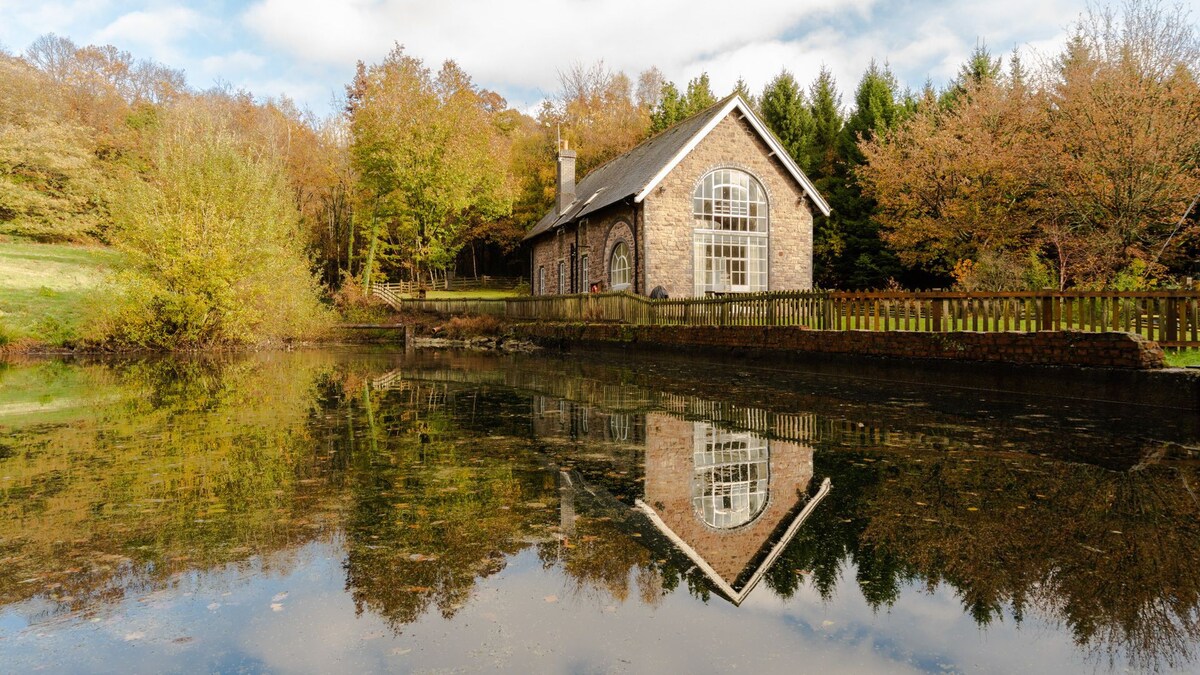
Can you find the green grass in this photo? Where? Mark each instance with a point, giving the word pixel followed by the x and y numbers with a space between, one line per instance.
pixel 479 294
pixel 47 290
pixel 1180 358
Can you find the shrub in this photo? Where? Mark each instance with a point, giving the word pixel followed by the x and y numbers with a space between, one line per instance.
pixel 462 327
pixel 214 243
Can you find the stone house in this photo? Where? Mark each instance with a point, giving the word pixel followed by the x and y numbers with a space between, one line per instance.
pixel 712 205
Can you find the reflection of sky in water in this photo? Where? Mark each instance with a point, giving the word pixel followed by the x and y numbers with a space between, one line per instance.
pixel 524 618
pixel 294 530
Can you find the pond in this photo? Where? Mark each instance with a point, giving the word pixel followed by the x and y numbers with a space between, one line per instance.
pixel 367 510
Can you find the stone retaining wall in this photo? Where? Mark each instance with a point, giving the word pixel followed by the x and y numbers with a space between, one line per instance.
pixel 1048 348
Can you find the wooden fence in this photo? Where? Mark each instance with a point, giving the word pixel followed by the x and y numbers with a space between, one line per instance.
pixel 402 288
pixel 1172 318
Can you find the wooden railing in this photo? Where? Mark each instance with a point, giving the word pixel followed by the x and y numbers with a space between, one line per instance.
pixel 1172 318
pixel 402 288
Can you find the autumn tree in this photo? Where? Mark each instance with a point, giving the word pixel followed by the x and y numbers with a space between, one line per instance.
pixel 957 183
pixel 428 155
pixel 50 179
pixel 214 250
pixel 597 113
pixel 1085 167
pixel 1123 109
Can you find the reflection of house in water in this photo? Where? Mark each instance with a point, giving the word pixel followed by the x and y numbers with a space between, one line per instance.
pixel 730 500
pixel 727 497
pixel 567 419
pixel 728 486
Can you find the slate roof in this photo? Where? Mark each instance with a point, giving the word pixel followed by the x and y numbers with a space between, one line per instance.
pixel 627 174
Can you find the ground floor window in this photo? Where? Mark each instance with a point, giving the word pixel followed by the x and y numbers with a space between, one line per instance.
pixel 562 277
pixel 730 262
pixel 541 281
pixel 584 277
pixel 731 474
pixel 618 267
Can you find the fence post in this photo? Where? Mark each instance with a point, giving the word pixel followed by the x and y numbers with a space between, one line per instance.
pixel 937 314
pixel 1172 320
pixel 1047 318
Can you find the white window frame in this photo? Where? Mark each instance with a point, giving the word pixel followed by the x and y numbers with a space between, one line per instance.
pixel 731 476
pixel 585 281
pixel 542 280
pixel 731 236
pixel 562 277
pixel 624 271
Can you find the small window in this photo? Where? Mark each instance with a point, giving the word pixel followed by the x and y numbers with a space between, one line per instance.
pixel 618 267
pixel 541 287
pixel 562 277
pixel 585 278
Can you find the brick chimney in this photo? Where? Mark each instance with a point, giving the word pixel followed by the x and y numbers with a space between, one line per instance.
pixel 566 178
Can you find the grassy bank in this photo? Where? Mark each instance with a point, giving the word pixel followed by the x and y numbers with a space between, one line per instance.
pixel 1181 358
pixel 47 291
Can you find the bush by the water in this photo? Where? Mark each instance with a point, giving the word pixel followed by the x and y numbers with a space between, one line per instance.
pixel 215 251
pixel 463 327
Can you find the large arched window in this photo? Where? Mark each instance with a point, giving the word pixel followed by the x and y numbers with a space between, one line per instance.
pixel 731 475
pixel 618 267
pixel 731 230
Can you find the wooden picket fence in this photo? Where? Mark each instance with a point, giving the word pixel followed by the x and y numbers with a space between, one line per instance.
pixel 1172 318
pixel 405 288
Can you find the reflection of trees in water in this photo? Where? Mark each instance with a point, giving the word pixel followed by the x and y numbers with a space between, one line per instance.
pixel 432 509
pixel 1108 555
pixel 175 465
pixel 195 464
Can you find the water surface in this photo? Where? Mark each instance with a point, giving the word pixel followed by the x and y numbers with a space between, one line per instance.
pixel 325 511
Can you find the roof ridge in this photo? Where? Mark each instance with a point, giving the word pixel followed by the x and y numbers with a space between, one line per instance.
pixel 647 139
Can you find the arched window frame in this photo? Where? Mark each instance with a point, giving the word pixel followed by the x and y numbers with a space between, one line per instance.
pixel 731 476
pixel 620 272
pixel 731 236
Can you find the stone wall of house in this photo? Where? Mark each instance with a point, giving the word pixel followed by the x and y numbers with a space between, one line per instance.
pixel 1056 348
pixel 670 467
pixel 596 239
pixel 668 212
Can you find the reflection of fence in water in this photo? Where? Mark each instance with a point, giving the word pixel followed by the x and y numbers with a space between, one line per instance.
pixel 607 399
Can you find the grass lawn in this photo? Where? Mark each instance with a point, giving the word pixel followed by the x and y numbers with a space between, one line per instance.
pixel 1180 358
pixel 479 294
pixel 47 289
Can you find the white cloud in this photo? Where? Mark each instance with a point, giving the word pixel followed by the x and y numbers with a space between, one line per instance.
pixel 222 65
pixel 525 48
pixel 160 32
pixel 518 48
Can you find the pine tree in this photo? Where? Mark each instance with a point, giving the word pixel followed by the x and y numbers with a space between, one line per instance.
pixel 864 260
pixel 825 108
pixel 785 113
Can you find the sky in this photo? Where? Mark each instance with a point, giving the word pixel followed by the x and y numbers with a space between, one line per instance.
pixel 307 49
